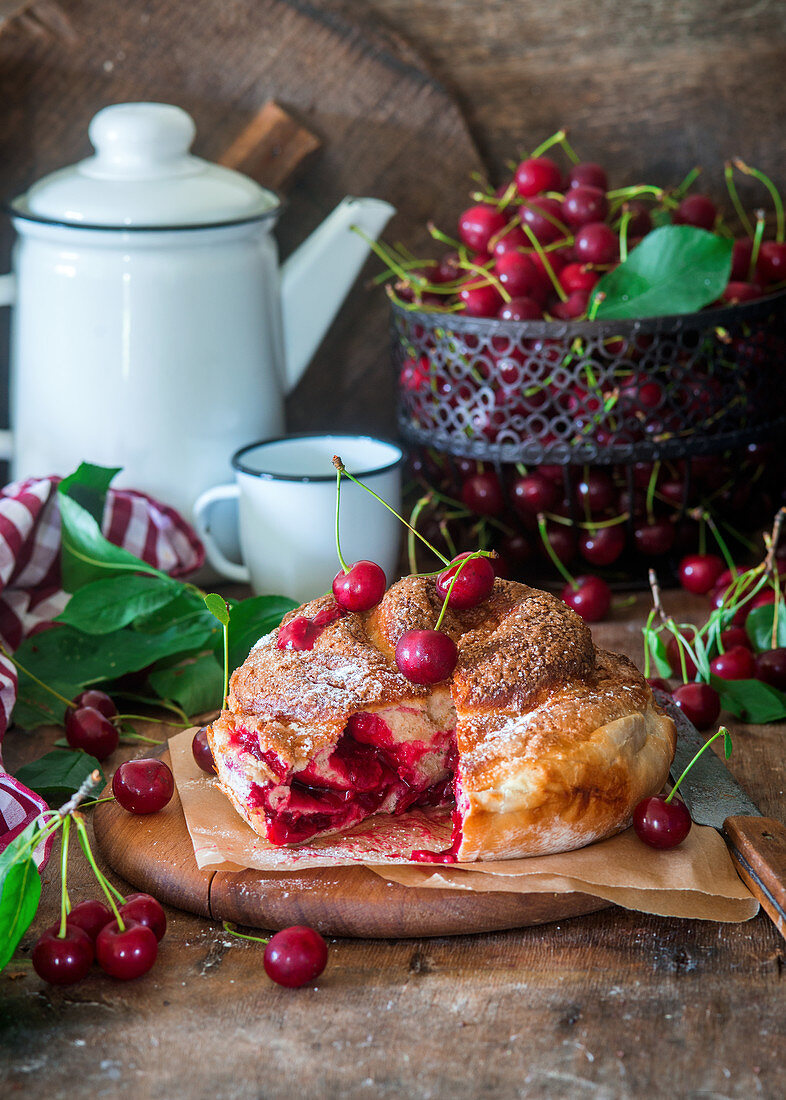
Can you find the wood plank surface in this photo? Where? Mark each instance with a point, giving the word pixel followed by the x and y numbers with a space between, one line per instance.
pixel 613 1005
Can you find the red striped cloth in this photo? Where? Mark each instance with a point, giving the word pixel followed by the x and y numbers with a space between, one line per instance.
pixel 31 596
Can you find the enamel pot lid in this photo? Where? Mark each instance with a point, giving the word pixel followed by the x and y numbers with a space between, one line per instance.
pixel 142 176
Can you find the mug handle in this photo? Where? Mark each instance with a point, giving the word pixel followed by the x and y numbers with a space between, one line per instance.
pixel 231 569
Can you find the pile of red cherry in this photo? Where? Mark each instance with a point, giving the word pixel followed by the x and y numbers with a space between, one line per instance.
pixel 538 244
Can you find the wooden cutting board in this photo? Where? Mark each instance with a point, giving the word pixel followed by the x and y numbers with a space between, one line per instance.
pixel 154 853
pixel 387 129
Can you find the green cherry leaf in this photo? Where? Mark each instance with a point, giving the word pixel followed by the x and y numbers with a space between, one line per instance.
pixel 759 626
pixel 217 606
pixel 657 648
pixel 58 774
pixel 110 604
pixel 88 486
pixel 751 700
pixel 195 683
pixel 727 745
pixel 86 555
pixel 18 905
pixel 675 269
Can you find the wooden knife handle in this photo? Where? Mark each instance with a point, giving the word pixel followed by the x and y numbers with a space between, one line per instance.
pixel 758 846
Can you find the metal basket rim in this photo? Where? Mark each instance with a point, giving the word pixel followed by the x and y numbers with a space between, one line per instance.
pixel 707 318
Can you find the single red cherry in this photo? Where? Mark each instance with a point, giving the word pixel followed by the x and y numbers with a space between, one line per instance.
pixel 361 588
pixel 426 656
pixel 741 253
pixel 771 264
pixel 735 664
pixel 546 220
pixel 479 224
pixel 511 240
pixel 63 961
pixel 696 210
pixel 520 309
pixel 654 538
pixel 699 572
pixel 144 909
pixel 482 494
pixel 661 824
pixel 299 633
pixel 640 222
pixel 90 915
pixel 480 299
pixel 519 275
pixel 578 277
pixel 88 729
pixel 534 493
pixel 700 703
pixel 771 668
pixel 603 545
pixel 659 683
pixel 563 542
pixel 295 956
pixel 735 635
pixel 92 697
pixel 202 752
pixel 143 786
pixel 583 205
pixel 735 292
pixel 473 584
pixel 589 597
pixel 596 491
pixel 588 174
pixel 574 306
pixel 127 954
pixel 537 174
pixel 596 243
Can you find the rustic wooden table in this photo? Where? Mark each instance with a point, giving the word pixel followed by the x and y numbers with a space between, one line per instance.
pixel 617 1004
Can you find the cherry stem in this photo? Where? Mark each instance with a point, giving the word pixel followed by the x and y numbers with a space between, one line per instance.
pixel 232 929
pixel 556 139
pixel 413 519
pixel 103 882
pixel 688 182
pixel 455 577
pixel 147 718
pixel 560 291
pixel 487 277
pixel 757 239
pixel 722 732
pixel 342 468
pixel 16 664
pixel 563 572
pixel 705 517
pixel 343 564
pixel 651 490
pixel 648 633
pixel 731 187
pixel 65 901
pixel 773 540
pixel 443 238
pixel 624 223
pixel 774 194
pixel 570 152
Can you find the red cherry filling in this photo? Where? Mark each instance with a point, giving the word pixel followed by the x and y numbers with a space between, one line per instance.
pixel 302 632
pixel 370 770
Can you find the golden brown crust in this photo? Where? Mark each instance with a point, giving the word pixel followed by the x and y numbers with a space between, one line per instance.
pixel 557 741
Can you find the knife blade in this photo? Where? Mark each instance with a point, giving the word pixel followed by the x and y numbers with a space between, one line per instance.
pixel 714 797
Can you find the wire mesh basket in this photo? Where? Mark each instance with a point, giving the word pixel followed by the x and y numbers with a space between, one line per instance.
pixel 596 392
pixel 683 417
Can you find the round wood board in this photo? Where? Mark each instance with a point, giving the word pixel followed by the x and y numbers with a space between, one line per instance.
pixel 154 853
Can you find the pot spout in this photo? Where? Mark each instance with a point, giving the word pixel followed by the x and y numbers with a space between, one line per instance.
pixel 318 276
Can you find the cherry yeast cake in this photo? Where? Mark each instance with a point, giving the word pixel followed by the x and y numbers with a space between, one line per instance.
pixel 540 741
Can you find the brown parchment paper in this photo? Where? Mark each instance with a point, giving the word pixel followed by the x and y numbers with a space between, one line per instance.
pixel 695 880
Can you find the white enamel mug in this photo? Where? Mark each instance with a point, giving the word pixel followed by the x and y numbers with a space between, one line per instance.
pixel 286 493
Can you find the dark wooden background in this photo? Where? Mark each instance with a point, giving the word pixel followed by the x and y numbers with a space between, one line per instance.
pixel 650 89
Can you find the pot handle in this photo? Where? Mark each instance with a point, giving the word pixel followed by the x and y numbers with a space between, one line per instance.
pixel 7 290
pixel 231 569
